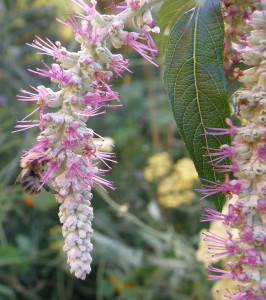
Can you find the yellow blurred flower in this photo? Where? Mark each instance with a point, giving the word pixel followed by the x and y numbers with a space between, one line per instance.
pixel 130 285
pixel 175 184
pixel 113 280
pixel 174 200
pixel 177 188
pixel 185 168
pixel 159 165
pixel 172 191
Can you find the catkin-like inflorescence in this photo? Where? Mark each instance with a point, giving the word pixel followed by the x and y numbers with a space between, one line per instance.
pixel 247 154
pixel 72 151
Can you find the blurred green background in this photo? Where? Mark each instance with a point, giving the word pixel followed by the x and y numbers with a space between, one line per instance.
pixel 146 232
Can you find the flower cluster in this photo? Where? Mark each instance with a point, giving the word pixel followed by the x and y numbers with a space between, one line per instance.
pixel 176 188
pixel 174 183
pixel 65 144
pixel 236 15
pixel 247 154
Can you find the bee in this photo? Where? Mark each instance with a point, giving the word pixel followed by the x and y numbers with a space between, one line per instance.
pixel 30 178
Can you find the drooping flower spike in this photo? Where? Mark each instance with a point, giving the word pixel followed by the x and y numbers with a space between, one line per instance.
pixel 70 151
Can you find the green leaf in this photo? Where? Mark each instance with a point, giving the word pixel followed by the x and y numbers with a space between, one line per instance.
pixel 169 13
pixel 196 84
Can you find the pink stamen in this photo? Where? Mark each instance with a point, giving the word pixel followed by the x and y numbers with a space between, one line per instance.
pixel 227 187
pixel 48 48
pixel 222 131
pixel 131 40
pixel 223 245
pixel 231 218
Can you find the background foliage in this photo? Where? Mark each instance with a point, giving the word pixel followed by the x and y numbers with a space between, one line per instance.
pixel 144 248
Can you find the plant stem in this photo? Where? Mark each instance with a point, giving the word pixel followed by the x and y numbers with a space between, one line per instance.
pixel 179 243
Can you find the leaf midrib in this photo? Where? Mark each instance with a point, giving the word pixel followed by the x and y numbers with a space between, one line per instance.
pixel 195 82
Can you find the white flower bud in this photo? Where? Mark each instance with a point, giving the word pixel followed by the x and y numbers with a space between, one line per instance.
pixel 101 21
pixel 255 37
pixel 249 76
pixel 116 28
pixel 104 54
pixel 147 17
pixel 259 19
pixel 138 22
pixel 252 57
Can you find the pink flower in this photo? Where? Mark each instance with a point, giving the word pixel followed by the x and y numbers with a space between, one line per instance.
pixel 119 65
pixel 40 97
pixel 99 99
pixel 48 48
pixel 223 245
pixel 53 166
pixel 262 205
pixel 56 74
pixel 249 294
pixel 133 4
pixel 90 11
pixel 131 39
pixel 224 152
pixel 235 272
pixel 246 234
pixel 91 35
pixel 222 131
pixel 232 217
pixel 227 187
